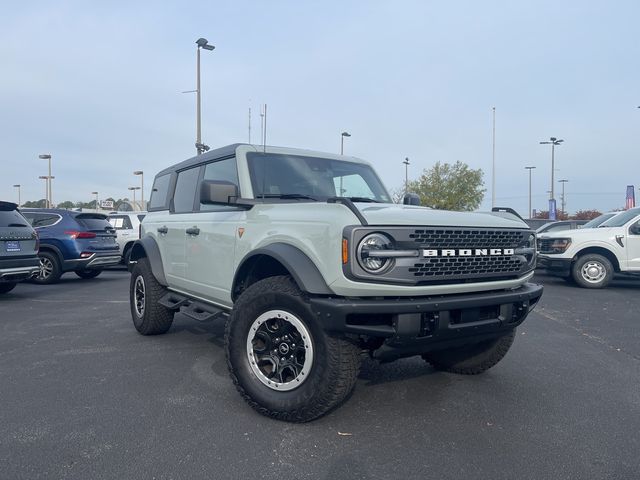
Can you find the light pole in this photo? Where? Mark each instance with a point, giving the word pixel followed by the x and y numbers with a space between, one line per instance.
pixel 406 174
pixel 493 162
pixel 530 168
pixel 200 147
pixel 18 187
pixel 49 196
pixel 46 189
pixel 342 135
pixel 96 194
pixel 553 141
pixel 134 195
pixel 141 173
pixel 562 202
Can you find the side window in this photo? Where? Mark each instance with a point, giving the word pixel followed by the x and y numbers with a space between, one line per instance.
pixel 41 219
pixel 223 170
pixel 185 193
pixel 158 200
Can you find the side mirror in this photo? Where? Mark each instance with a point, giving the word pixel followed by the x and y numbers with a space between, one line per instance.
pixel 411 199
pixel 218 192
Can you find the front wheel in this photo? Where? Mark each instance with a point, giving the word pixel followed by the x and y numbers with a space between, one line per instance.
pixel 472 359
pixel 88 273
pixel 592 271
pixel 281 360
pixel 149 317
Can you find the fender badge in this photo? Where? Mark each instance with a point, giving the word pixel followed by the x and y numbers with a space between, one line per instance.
pixel 240 232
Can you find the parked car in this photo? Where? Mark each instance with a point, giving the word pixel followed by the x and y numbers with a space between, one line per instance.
pixel 596 222
pixel 561 225
pixel 18 248
pixel 82 242
pixel 127 225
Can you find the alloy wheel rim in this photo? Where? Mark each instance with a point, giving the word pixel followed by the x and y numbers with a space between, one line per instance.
pixel 46 268
pixel 139 296
pixel 593 272
pixel 280 350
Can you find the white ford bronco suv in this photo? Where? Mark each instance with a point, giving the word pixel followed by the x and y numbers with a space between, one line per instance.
pixel 311 264
pixel 591 256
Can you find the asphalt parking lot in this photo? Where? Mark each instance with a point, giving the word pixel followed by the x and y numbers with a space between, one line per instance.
pixel 84 396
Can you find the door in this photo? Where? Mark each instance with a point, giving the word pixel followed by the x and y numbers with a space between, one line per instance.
pixel 633 246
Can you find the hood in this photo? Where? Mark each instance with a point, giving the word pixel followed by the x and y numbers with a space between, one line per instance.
pixel 578 233
pixel 396 214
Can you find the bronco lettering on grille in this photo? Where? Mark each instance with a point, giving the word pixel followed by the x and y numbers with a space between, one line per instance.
pixel 468 252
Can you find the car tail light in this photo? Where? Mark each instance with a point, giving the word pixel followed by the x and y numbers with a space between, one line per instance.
pixel 76 234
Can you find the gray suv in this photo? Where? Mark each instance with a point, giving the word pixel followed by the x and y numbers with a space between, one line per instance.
pixel 310 264
pixel 18 248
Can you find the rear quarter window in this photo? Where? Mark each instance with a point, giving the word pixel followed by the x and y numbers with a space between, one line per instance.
pixel 120 222
pixel 159 193
pixel 12 219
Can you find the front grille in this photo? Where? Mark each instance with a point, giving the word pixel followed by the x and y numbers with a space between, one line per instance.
pixel 468 238
pixel 544 245
pixel 458 266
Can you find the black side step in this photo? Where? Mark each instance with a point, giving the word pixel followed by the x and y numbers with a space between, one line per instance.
pixel 192 309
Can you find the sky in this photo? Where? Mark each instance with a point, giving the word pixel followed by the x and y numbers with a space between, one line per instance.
pixel 98 86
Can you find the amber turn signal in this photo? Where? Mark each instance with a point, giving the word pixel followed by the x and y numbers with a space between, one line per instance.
pixel 345 251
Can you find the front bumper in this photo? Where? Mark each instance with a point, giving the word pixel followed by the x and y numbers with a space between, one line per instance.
pixel 412 326
pixel 555 266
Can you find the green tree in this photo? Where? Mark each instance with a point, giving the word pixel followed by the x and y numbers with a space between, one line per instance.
pixel 66 204
pixel 35 204
pixel 450 187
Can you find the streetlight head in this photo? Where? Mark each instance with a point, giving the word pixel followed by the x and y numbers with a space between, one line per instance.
pixel 43 177
pixel 45 156
pixel 553 139
pixel 345 134
pixel 16 185
pixel 558 142
pixel 204 43
pixel 138 172
pixel 94 193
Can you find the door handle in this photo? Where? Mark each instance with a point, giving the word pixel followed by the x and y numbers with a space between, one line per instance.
pixel 192 231
pixel 163 230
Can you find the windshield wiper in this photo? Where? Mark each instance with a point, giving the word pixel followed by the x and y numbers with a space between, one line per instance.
pixel 295 196
pixel 363 199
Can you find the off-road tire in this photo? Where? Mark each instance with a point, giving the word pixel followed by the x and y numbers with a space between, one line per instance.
pixel 472 359
pixel 580 271
pixel 50 269
pixel 88 273
pixel 336 361
pixel 149 317
pixel 7 287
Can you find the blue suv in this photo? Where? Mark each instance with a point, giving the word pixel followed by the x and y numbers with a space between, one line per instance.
pixel 81 242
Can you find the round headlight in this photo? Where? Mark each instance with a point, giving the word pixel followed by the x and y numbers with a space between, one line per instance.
pixel 374 242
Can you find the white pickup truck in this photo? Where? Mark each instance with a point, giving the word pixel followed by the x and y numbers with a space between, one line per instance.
pixel 592 255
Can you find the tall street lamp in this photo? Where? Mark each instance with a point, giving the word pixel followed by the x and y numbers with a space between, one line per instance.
pixel 18 187
pixel 134 195
pixel 530 168
pixel 562 202
pixel 200 147
pixel 553 141
pixel 141 173
pixel 406 174
pixel 96 194
pixel 46 189
pixel 342 135
pixel 49 196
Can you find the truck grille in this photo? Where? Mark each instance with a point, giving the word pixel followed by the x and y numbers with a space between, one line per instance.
pixel 544 245
pixel 468 238
pixel 456 267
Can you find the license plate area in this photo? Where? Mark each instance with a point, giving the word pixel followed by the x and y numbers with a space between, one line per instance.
pixel 12 246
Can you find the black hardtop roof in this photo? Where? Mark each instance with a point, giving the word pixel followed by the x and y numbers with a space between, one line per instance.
pixel 7 206
pixel 221 152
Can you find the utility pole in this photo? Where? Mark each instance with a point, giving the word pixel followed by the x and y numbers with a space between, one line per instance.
pixel 142 201
pixel 530 168
pixel 96 194
pixel 18 187
pixel 406 174
pixel 249 125
pixel 493 169
pixel 562 202
pixel 49 195
pixel 553 141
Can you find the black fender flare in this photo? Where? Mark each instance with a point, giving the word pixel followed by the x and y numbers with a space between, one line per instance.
pixel 54 249
pixel 147 247
pixel 299 265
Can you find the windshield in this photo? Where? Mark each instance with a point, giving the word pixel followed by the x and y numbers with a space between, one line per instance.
pixel 312 178
pixel 622 218
pixel 598 220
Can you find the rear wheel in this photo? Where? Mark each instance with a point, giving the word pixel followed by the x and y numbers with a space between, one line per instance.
pixel 281 360
pixel 149 317
pixel 50 269
pixel 472 359
pixel 7 287
pixel 88 273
